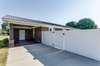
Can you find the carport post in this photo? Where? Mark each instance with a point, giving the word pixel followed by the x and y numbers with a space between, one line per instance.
pixel 11 39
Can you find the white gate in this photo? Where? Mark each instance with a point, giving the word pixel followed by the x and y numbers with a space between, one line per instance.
pixel 54 39
pixel 58 39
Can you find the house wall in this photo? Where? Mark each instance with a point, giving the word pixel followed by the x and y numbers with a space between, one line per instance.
pixel 44 28
pixel 29 34
pixel 83 42
pixel 38 33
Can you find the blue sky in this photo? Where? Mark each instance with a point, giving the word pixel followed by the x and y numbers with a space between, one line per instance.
pixel 56 11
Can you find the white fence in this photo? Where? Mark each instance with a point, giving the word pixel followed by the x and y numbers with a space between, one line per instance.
pixel 83 42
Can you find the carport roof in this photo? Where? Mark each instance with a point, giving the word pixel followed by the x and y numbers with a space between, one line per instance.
pixel 30 20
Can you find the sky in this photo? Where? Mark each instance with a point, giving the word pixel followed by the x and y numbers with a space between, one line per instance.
pixel 55 11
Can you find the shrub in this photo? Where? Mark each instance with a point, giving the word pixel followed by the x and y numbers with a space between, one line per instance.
pixel 4 42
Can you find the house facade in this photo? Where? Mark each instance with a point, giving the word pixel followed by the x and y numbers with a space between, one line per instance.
pixel 27 31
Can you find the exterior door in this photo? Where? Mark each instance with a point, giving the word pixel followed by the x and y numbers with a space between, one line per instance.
pixel 21 34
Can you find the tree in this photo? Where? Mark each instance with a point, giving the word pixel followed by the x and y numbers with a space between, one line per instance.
pixel 71 24
pixel 5 30
pixel 86 23
pixel 4 26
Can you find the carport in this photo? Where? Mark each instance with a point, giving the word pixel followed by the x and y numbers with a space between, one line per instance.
pixel 24 31
pixel 27 31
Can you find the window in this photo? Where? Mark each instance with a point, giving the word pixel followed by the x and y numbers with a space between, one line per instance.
pixel 58 29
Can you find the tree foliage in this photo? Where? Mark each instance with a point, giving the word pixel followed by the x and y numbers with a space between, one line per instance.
pixel 71 24
pixel 4 26
pixel 84 23
pixel 5 30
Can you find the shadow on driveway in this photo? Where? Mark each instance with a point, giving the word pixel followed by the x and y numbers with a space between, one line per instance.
pixel 50 56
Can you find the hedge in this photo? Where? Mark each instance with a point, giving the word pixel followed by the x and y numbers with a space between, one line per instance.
pixel 4 43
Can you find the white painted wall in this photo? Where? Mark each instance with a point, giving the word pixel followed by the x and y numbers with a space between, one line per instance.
pixel 83 42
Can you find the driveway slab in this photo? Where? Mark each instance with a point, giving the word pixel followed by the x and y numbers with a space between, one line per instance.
pixel 42 55
pixel 19 56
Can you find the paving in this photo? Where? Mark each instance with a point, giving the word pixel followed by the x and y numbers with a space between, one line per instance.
pixel 42 55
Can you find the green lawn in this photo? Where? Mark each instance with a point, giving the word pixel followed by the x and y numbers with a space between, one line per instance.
pixel 3 37
pixel 3 56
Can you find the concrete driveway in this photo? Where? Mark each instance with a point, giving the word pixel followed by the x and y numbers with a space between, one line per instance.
pixel 42 55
